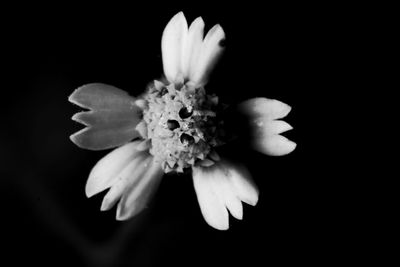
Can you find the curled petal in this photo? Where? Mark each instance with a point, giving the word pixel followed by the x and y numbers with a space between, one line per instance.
pixel 111 120
pixel 210 51
pixel 263 107
pixel 172 41
pixel 105 172
pixel 138 194
pixel 211 205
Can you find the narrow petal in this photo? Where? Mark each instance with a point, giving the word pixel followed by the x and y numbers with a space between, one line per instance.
pixel 273 145
pixel 128 176
pixel 211 205
pixel 105 172
pixel 241 180
pixel 136 197
pixel 111 120
pixel 263 107
pixel 192 46
pixel 173 37
pixel 210 52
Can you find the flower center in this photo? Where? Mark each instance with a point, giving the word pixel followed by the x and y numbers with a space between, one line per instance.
pixel 181 124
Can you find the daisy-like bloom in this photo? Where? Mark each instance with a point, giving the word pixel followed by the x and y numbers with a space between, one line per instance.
pixel 175 126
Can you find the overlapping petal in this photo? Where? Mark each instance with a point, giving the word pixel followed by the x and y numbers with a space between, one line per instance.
pixel 139 192
pixel 220 188
pixel 262 114
pixel 132 174
pixel 211 205
pixel 211 50
pixel 105 173
pixel 192 46
pixel 111 119
pixel 172 43
pixel 129 175
pixel 184 52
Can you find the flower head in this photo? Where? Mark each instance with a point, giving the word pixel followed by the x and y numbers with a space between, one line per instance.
pixel 175 126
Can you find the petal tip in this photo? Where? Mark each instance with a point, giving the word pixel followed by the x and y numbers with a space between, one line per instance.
pixel 253 202
pixel 198 20
pixel 89 190
pixel 220 227
pixel 74 137
pixel 78 117
pixel 72 97
pixel 292 145
pixel 105 205
pixel 121 218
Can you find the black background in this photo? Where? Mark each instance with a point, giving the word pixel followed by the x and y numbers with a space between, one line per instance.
pixel 287 53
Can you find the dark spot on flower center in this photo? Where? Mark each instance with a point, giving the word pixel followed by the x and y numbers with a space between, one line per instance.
pixel 185 138
pixel 184 113
pixel 173 124
pixel 163 91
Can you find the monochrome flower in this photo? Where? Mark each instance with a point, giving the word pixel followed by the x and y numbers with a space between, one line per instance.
pixel 175 126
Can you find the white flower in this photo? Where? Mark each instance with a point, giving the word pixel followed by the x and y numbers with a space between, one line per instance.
pixel 175 126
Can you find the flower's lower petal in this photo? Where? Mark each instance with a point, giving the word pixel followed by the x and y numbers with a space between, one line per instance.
pixel 224 189
pixel 211 205
pixel 136 197
pixel 130 175
pixel 105 172
pixel 273 145
pixel 210 52
pixel 111 120
pixel 263 107
pixel 173 37
pixel 241 180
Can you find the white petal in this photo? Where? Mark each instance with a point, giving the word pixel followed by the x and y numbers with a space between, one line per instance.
pixel 224 189
pixel 192 46
pixel 105 172
pixel 130 175
pixel 212 208
pixel 263 126
pixel 241 180
pixel 209 54
pixel 138 194
pixel 273 145
pixel 263 107
pixel 173 37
